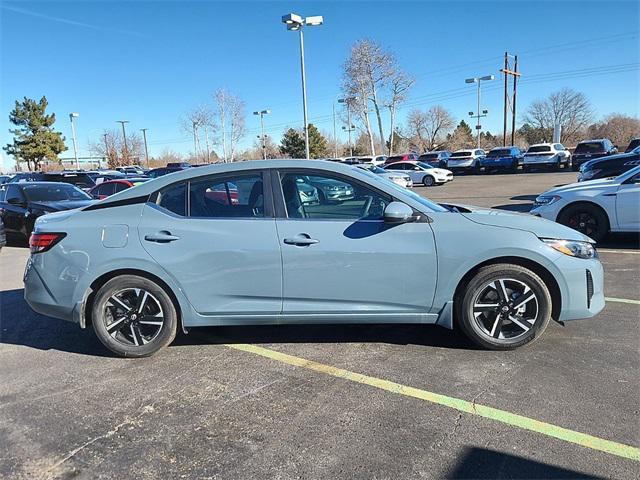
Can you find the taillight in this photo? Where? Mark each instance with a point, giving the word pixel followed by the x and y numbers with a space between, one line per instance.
pixel 41 242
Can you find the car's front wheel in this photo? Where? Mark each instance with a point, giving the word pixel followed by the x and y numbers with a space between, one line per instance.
pixel 503 307
pixel 587 218
pixel 133 316
pixel 428 181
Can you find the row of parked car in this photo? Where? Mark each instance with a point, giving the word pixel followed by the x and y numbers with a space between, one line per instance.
pixel 552 156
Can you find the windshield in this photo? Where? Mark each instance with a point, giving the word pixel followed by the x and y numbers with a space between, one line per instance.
pixel 429 156
pixel 628 174
pixel 372 168
pixel 53 193
pixel 539 148
pixel 589 147
pixel 405 191
pixel 461 154
pixel 501 152
pixel 425 165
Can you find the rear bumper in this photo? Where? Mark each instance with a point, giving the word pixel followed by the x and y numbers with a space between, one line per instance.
pixel 41 299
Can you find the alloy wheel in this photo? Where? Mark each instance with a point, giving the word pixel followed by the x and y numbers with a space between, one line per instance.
pixel 584 222
pixel 505 309
pixel 133 316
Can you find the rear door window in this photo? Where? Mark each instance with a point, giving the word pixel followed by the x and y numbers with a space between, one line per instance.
pixel 236 196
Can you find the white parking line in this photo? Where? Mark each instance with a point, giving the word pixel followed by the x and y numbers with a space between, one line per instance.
pixel 606 250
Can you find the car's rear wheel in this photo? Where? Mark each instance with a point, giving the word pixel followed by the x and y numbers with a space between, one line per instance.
pixel 133 316
pixel 428 181
pixel 586 218
pixel 504 306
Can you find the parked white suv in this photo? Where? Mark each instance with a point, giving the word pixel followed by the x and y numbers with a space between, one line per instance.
pixel 547 155
pixel 376 160
pixel 595 207
pixel 466 160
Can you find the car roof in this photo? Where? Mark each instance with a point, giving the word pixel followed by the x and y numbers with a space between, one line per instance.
pixel 42 183
pixel 595 140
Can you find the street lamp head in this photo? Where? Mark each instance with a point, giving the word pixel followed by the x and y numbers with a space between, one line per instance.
pixel 292 18
pixel 314 21
pixel 471 114
pixel 487 77
pixel 73 115
pixel 471 80
pixel 256 113
pixel 265 112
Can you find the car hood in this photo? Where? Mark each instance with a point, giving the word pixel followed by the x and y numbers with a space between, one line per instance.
pixel 439 171
pixel 540 227
pixel 62 205
pixel 591 185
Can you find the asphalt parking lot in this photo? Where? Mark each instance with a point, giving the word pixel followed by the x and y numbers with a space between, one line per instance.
pixel 342 402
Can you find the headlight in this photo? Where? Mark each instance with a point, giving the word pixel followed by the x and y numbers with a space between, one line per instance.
pixel 572 248
pixel 546 200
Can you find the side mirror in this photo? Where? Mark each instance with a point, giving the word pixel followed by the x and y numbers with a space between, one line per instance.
pixel 398 212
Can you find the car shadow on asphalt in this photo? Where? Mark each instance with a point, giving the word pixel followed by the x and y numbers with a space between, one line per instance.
pixel 19 325
pixel 396 334
pixel 482 463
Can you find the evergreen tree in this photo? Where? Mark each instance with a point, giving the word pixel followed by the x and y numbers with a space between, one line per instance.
pixel 317 143
pixel 461 137
pixel 292 144
pixel 34 139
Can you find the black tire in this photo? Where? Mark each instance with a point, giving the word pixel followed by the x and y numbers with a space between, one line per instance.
pixel 586 218
pixel 477 169
pixel 428 181
pixel 114 331
pixel 575 167
pixel 525 169
pixel 556 166
pixel 514 333
pixel 514 167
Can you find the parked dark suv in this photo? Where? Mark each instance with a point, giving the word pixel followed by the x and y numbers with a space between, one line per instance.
pixel 633 144
pixel 435 159
pixel 503 158
pixel 610 166
pixel 590 149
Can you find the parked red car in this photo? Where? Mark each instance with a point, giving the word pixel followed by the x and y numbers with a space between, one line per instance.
pixel 108 188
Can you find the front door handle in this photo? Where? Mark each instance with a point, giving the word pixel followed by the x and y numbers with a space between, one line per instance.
pixel 301 240
pixel 161 237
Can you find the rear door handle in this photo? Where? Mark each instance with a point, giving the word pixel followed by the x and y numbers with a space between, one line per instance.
pixel 301 240
pixel 161 237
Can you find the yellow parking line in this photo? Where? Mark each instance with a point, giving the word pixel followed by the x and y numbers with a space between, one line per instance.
pixel 621 300
pixel 571 436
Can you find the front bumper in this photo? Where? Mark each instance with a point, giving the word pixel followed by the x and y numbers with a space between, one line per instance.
pixel 583 295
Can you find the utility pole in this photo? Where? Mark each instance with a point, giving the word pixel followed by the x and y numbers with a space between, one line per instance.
pixel 106 148
pixel 206 139
pixel 335 138
pixel 146 150
pixel 263 137
pixel 510 102
pixel 513 112
pixel 75 142
pixel 124 138
pixel 347 101
pixel 194 126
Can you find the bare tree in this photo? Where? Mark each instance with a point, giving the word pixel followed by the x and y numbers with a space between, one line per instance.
pixel 428 128
pixel 400 83
pixel 230 116
pixel 199 121
pixel 110 145
pixel 618 128
pixel 372 74
pixel 567 108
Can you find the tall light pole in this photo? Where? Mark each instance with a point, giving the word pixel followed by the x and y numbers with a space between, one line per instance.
pixel 295 23
pixel 124 139
pixel 484 113
pixel 106 148
pixel 347 101
pixel 75 141
pixel 262 113
pixel 146 150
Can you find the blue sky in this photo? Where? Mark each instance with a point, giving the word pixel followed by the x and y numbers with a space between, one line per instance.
pixel 150 62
